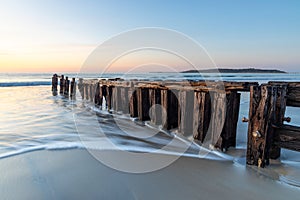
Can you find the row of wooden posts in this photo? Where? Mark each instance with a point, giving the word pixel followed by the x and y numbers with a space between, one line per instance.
pixel 66 88
pixel 200 109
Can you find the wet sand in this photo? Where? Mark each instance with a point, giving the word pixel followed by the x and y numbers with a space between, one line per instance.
pixel 75 174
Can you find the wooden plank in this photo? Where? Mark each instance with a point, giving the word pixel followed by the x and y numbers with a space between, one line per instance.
pixel 104 95
pixel 202 114
pixel 289 137
pixel 260 132
pixel 293 92
pixel 92 92
pixel 155 104
pixel 81 87
pixel 132 95
pixel 109 92
pixel 143 104
pixel 67 87
pixel 73 88
pixel 185 112
pixel 114 99
pixel 62 84
pixel 230 125
pixel 124 106
pixel 97 94
pixel 86 90
pixel 170 104
pixel 54 84
pixel 279 114
pixel 217 119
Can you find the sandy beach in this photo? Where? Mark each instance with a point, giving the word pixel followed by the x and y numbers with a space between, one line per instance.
pixel 75 174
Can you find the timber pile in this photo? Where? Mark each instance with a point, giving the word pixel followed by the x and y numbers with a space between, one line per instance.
pixel 201 109
pixel 195 109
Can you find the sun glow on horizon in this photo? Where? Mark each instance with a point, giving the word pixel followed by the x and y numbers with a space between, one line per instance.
pixel 50 35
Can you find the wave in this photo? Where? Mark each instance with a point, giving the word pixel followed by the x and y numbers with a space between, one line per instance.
pixel 19 84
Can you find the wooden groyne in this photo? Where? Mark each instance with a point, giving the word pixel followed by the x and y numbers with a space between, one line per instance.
pixel 200 109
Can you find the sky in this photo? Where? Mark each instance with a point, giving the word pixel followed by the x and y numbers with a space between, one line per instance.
pixel 59 35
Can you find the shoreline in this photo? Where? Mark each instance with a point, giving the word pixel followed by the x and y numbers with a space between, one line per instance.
pixel 76 174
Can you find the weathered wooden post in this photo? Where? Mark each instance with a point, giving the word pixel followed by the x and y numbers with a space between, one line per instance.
pixel 54 84
pixel 185 114
pixel 124 99
pixel 231 120
pixel 170 104
pixel 109 89
pixel 202 114
pixel 143 103
pixel 86 90
pixel 155 102
pixel 279 117
pixel 67 86
pixel 73 88
pixel 62 84
pixel 117 100
pixel 133 102
pixel 92 91
pixel 97 94
pixel 217 119
pixel 263 113
pixel 81 87
pixel 103 95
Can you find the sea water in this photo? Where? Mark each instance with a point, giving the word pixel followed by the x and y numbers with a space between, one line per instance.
pixel 31 118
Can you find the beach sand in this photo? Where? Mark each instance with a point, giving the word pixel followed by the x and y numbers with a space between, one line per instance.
pixel 75 174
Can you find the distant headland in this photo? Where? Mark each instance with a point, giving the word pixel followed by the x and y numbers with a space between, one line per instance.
pixel 247 70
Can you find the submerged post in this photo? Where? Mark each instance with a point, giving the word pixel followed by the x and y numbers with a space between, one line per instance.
pixel 81 87
pixel 133 108
pixel 73 88
pixel 170 104
pixel 54 84
pixel 62 84
pixel 143 103
pixel 67 87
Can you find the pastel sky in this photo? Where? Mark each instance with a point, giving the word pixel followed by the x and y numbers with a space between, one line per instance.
pixel 58 35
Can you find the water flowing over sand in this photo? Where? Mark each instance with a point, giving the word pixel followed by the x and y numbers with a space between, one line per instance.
pixel 31 119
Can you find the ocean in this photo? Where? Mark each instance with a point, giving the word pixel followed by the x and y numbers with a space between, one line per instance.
pixel 33 119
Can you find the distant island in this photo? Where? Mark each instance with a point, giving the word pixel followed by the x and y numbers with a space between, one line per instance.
pixel 247 70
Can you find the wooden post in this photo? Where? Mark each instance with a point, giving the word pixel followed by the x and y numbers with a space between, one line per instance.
pixel 262 113
pixel 280 109
pixel 133 102
pixel 67 87
pixel 109 90
pixel 73 88
pixel 81 87
pixel 185 114
pixel 92 92
pixel 103 95
pixel 170 103
pixel 155 101
pixel 217 119
pixel 124 100
pixel 97 94
pixel 232 116
pixel 143 103
pixel 86 90
pixel 117 99
pixel 54 84
pixel 202 114
pixel 62 84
